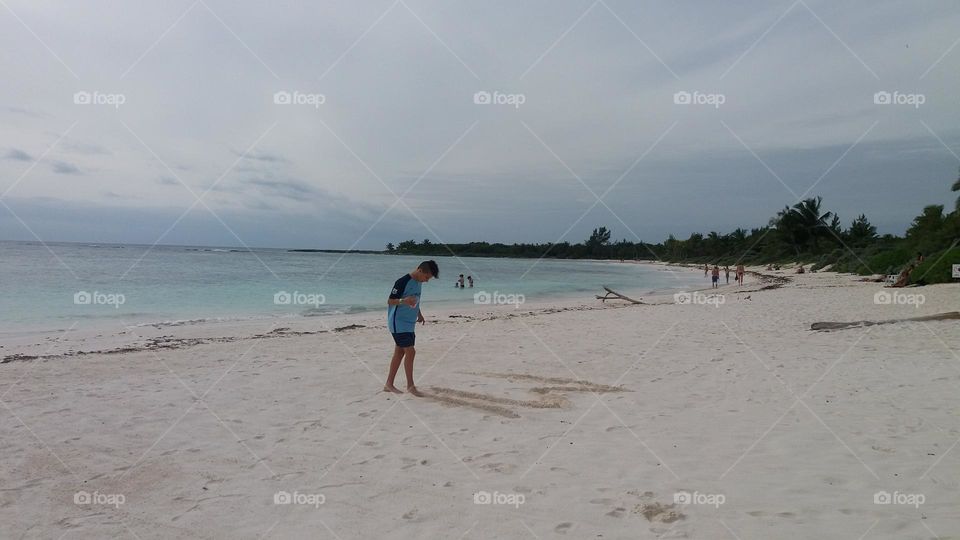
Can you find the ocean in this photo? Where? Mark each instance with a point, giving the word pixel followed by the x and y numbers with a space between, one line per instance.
pixel 59 285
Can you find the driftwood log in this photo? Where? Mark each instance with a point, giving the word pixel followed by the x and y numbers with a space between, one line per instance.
pixel 611 294
pixel 950 315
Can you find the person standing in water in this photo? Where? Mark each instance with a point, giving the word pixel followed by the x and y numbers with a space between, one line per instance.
pixel 470 281
pixel 403 314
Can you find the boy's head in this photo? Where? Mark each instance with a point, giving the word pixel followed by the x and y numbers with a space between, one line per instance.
pixel 426 270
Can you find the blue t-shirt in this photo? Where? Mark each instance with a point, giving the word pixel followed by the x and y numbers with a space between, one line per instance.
pixel 403 318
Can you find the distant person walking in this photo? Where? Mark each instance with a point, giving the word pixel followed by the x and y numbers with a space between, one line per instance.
pixel 716 276
pixel 726 270
pixel 740 273
pixel 706 269
pixel 403 314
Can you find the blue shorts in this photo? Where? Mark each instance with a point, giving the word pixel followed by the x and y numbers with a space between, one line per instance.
pixel 404 339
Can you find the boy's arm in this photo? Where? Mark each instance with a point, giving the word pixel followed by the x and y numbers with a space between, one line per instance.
pixel 396 294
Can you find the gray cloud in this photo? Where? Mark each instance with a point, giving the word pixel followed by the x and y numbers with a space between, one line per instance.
pixel 283 188
pixel 396 101
pixel 257 155
pixel 17 154
pixel 62 167
pixel 88 149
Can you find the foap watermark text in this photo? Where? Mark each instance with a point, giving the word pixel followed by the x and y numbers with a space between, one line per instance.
pixel 499 98
pixel 709 499
pixel 906 499
pixel 84 97
pixel 283 97
pixel 498 298
pixel 85 498
pixel 297 298
pixel 897 298
pixel 700 299
pixel 699 98
pixel 496 497
pixel 97 298
pixel 898 98
pixel 306 499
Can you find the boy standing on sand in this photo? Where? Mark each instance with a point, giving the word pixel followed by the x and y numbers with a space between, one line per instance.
pixel 403 314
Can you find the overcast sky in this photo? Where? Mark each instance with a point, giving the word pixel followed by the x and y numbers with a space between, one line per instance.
pixel 159 121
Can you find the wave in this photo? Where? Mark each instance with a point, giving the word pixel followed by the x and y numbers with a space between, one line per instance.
pixel 325 310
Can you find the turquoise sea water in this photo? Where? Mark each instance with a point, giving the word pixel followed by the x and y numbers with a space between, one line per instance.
pixel 57 285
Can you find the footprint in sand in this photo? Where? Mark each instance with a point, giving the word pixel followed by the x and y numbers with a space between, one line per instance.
pixel 617 512
pixel 657 512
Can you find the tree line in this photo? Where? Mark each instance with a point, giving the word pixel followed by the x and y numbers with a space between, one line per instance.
pixel 805 232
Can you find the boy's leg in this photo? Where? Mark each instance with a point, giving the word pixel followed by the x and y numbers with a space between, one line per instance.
pixel 394 368
pixel 409 353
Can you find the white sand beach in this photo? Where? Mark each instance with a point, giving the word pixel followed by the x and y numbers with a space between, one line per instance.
pixel 582 420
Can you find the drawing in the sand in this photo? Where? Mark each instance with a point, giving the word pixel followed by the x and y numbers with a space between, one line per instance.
pixel 551 396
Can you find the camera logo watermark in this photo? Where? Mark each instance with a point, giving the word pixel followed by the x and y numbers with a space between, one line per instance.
pixel 506 499
pixel 498 299
pixel 98 98
pixel 296 298
pixel 897 298
pixel 307 499
pixel 908 499
pixel 896 98
pixel 699 298
pixel 296 97
pixel 955 268
pixel 108 499
pixel 97 298
pixel 699 98
pixel 709 499
pixel 499 98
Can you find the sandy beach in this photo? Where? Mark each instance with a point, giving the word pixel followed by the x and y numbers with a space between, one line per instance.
pixel 702 420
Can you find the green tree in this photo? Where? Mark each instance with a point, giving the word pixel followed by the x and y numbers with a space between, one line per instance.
pixel 390 247
pixel 599 237
pixel 805 223
pixel 861 233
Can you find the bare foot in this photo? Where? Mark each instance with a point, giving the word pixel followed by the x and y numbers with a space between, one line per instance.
pixel 413 390
pixel 391 388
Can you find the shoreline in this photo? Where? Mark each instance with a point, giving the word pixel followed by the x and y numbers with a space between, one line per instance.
pixel 109 339
pixel 27 341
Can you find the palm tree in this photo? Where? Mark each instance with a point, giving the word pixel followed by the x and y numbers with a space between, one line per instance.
pixel 809 218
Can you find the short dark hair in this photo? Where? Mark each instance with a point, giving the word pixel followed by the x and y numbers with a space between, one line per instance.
pixel 430 266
